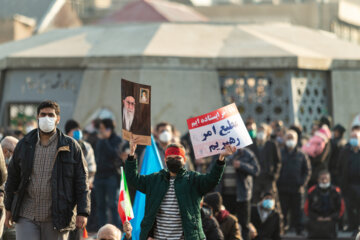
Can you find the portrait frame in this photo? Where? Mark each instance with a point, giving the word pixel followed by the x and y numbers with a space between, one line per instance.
pixel 141 100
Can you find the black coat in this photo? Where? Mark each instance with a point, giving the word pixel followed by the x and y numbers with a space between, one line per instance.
pixel 350 169
pixel 269 158
pixel 319 163
pixel 314 205
pixel 295 171
pixel 337 145
pixel 270 229
pixel 210 226
pixel 69 180
pixel 107 156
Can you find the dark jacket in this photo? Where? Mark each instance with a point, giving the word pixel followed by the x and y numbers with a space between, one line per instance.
pixel 337 145
pixel 189 189
pixel 295 171
pixel 319 163
pixel 249 168
pixel 270 229
pixel 269 158
pixel 350 169
pixel 107 156
pixel 229 226
pixel 319 204
pixel 210 226
pixel 69 180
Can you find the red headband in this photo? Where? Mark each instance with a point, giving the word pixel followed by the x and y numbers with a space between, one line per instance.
pixel 175 151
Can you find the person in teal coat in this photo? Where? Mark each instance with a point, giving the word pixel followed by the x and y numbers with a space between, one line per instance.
pixel 173 195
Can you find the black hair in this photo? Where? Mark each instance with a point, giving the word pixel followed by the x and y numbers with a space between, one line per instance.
pixel 70 125
pixel 108 123
pixel 249 121
pixel 214 200
pixel 49 104
pixel 327 120
pixel 163 124
pixel 96 122
pixel 355 128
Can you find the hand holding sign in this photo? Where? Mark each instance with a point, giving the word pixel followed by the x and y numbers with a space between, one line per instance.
pixel 211 133
pixel 134 140
pixel 229 150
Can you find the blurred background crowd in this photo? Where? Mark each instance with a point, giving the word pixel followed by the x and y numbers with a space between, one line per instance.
pixel 286 182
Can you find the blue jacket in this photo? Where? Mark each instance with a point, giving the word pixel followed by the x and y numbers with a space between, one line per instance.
pixel 249 168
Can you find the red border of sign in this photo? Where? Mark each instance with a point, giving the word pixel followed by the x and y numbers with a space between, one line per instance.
pixel 213 117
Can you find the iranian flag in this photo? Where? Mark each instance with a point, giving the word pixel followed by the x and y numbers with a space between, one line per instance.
pixel 124 205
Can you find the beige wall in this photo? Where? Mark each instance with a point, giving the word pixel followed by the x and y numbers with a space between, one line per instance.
pixel 22 30
pixel 345 96
pixel 6 30
pixel 308 14
pixel 176 94
pixel 12 29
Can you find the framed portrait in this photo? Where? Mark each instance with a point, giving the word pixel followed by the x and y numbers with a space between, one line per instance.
pixel 144 96
pixel 136 111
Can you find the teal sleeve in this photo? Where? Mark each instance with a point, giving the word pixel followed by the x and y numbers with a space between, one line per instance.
pixel 207 182
pixel 133 177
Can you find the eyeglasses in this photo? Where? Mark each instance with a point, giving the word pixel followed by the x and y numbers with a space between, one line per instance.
pixel 130 103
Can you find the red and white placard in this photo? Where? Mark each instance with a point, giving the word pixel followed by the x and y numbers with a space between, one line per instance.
pixel 210 132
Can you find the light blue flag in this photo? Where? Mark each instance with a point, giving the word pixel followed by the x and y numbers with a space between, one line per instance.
pixel 151 163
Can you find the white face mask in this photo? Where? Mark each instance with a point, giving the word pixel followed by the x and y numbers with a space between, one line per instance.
pixel 260 136
pixel 324 185
pixel 290 143
pixel 165 136
pixel 47 124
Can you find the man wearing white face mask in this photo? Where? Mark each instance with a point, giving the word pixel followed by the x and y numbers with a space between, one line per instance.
pixel 164 136
pixel 324 206
pixel 47 182
pixel 268 154
pixel 350 179
pixel 294 176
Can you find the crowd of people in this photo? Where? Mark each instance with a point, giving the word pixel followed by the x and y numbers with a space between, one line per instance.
pixel 284 181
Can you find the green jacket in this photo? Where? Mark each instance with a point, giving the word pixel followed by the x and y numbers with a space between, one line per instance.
pixel 189 189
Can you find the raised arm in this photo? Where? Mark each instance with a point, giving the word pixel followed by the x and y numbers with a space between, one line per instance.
pixel 131 169
pixel 206 182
